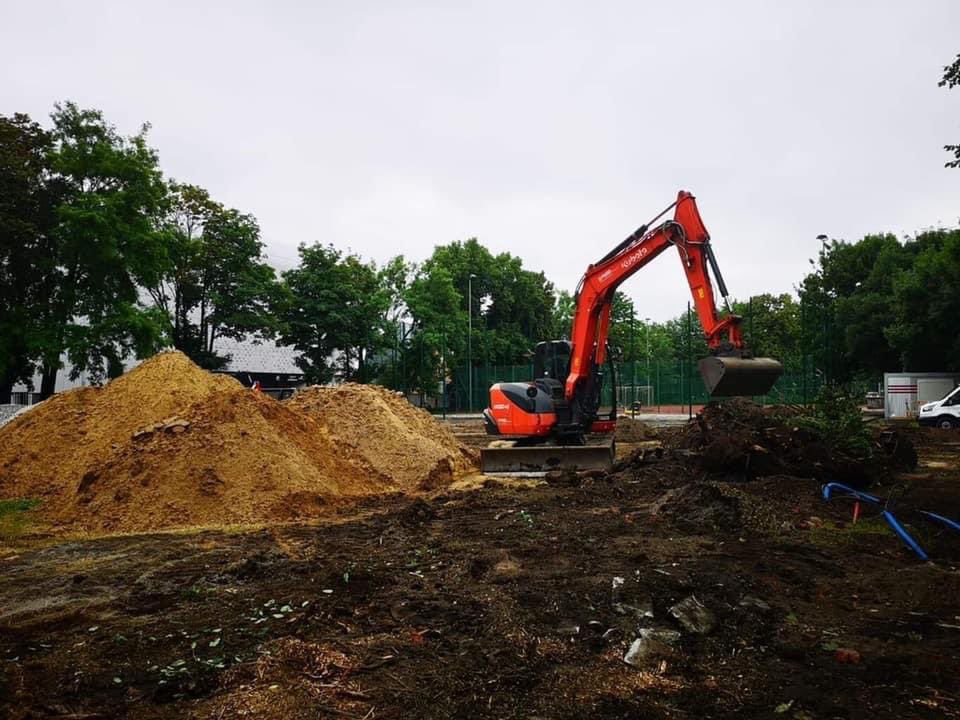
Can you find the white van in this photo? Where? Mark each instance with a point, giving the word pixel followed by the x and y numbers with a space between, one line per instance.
pixel 943 413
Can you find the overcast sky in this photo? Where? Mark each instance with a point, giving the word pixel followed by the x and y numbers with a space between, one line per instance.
pixel 549 130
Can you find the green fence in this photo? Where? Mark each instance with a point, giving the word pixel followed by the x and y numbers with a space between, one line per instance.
pixel 670 383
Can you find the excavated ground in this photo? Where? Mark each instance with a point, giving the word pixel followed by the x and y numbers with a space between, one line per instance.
pixel 510 600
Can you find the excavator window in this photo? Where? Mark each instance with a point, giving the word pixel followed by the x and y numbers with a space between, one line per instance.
pixel 552 360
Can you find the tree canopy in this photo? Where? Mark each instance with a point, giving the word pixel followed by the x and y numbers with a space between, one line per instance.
pixel 104 246
pixel 950 79
pixel 215 283
pixel 333 310
pixel 103 259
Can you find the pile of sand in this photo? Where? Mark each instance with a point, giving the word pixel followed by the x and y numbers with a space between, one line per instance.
pixel 397 439
pixel 170 445
pixel 633 431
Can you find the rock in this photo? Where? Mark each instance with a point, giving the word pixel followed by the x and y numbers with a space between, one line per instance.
pixel 847 656
pixel 749 601
pixel 506 569
pixel 641 611
pixel 694 616
pixel 651 643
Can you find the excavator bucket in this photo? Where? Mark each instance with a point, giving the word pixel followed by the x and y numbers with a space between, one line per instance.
pixel 733 376
pixel 506 457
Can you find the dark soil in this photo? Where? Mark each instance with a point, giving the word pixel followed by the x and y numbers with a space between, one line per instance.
pixel 507 601
pixel 739 440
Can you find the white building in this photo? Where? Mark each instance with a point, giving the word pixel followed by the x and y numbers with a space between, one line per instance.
pixel 905 392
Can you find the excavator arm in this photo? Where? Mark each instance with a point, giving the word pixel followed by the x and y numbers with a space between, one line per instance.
pixel 729 371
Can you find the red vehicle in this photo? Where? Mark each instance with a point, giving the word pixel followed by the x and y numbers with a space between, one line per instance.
pixel 550 417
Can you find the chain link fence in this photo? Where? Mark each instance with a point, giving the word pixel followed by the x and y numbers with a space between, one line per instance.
pixel 671 386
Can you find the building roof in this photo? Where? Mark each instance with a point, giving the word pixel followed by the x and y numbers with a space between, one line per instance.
pixel 263 357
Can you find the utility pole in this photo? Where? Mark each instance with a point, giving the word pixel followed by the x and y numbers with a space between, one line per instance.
pixel 647 321
pixel 803 350
pixel 443 367
pixel 633 360
pixel 470 342
pixel 689 363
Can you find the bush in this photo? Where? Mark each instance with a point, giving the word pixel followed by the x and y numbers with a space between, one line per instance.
pixel 835 417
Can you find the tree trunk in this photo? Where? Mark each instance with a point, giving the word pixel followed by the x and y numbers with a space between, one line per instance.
pixel 177 339
pixel 203 320
pixel 48 381
pixel 6 390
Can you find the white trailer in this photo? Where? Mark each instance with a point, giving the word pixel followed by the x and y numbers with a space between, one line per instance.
pixel 905 392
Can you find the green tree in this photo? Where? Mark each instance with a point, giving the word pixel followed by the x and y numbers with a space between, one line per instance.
pixel 105 245
pixel 366 303
pixel 848 305
pixel 237 287
pixel 950 79
pixel 923 329
pixel 625 328
pixel 334 313
pixel 216 283
pixel 439 325
pixel 771 328
pixel 28 195
pixel 394 279
pixel 563 311
pixel 513 308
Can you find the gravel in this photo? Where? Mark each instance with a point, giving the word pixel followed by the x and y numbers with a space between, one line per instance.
pixel 8 412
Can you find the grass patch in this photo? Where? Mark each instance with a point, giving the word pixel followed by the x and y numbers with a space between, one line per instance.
pixel 15 517
pixel 830 534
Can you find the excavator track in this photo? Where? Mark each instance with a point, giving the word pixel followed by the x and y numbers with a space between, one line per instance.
pixel 506 456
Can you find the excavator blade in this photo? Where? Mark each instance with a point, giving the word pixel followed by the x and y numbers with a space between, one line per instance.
pixel 733 376
pixel 506 457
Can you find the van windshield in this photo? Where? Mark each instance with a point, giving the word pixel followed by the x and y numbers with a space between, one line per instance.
pixel 952 397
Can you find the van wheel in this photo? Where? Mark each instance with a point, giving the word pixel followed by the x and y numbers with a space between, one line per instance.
pixel 945 422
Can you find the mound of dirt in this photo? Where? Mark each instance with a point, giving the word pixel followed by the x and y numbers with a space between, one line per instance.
pixel 171 445
pixel 399 440
pixel 738 439
pixel 633 431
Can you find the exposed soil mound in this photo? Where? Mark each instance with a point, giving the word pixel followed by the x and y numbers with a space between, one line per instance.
pixel 699 505
pixel 738 439
pixel 633 431
pixel 171 445
pixel 394 437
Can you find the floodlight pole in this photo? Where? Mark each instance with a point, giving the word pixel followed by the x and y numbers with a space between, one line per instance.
pixel 470 342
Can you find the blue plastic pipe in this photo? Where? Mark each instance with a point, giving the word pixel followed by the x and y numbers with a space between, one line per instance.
pixel 849 490
pixel 904 535
pixel 940 518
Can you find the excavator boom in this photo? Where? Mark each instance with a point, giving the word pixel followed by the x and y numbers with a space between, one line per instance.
pixel 723 375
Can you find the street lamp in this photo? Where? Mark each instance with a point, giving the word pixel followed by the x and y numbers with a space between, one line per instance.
pixel 470 342
pixel 647 321
pixel 633 361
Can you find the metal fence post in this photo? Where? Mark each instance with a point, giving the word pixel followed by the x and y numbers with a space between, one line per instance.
pixel 689 362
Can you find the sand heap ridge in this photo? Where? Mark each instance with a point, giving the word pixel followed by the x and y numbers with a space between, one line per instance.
pixel 396 438
pixel 171 445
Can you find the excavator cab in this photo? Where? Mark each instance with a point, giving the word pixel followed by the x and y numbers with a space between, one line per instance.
pixel 551 359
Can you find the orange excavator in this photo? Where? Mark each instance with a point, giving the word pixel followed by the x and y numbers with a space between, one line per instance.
pixel 550 421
